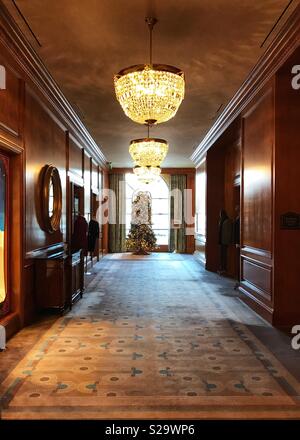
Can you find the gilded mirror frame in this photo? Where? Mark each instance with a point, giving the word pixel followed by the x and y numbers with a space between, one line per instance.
pixel 51 221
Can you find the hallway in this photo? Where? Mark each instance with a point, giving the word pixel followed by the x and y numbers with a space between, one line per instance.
pixel 153 337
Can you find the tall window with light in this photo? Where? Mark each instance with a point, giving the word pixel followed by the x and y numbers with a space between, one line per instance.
pixel 159 191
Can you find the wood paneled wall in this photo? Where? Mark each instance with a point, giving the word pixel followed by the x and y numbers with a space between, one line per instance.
pixel 105 180
pixel 257 200
pixel 222 174
pixel 286 196
pixel 215 197
pixel 263 145
pixel 268 107
pixel 270 257
pixel 75 158
pixel 45 143
pixel 38 127
pixel 87 186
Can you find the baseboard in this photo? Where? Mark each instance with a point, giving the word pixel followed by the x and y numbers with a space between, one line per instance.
pixel 258 306
pixel 12 324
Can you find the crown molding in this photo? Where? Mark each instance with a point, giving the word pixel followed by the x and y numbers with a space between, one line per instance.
pixel 31 64
pixel 283 45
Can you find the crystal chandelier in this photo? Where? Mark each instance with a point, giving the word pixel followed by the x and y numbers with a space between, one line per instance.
pixel 150 93
pixel 148 151
pixel 147 174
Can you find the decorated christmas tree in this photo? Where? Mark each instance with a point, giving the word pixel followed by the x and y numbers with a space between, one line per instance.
pixel 141 238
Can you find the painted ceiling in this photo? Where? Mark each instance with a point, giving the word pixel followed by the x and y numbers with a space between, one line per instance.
pixel 215 42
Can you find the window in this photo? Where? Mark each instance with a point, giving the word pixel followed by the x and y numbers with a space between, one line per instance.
pixel 160 205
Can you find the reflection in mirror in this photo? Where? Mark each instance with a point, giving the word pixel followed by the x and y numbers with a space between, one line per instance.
pixel 51 198
pixel 51 193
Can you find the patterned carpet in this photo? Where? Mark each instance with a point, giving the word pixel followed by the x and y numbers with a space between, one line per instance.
pixel 153 337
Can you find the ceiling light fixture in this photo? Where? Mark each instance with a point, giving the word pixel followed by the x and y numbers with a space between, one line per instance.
pixel 148 152
pixel 147 174
pixel 150 93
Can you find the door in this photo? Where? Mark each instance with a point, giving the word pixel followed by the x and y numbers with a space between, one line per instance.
pixel 77 208
pixel 4 235
pixel 237 233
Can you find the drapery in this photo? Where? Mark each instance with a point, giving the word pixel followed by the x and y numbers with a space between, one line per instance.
pixel 177 240
pixel 117 215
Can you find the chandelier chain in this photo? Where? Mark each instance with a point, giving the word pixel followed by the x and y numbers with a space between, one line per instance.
pixel 150 58
pixel 151 21
pixel 150 93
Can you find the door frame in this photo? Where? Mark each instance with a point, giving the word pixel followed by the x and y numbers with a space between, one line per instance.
pixel 7 218
pixel 15 319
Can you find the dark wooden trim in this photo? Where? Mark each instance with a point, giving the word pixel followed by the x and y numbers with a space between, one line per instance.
pixel 9 145
pixel 247 250
pixel 162 248
pixel 283 45
pixel 250 287
pixel 12 324
pixel 45 250
pixel 15 320
pixel 15 42
pixel 260 307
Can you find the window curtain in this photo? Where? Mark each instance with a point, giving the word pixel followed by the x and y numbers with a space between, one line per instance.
pixel 177 240
pixel 117 213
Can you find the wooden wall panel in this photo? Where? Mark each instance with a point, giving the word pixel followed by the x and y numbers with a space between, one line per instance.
pixel 87 187
pixel 232 197
pixel 38 126
pixel 104 207
pixel 258 138
pixel 223 170
pixel 287 196
pixel 29 289
pixel 232 176
pixel 95 176
pixel 75 158
pixel 45 144
pixel 259 276
pixel 215 202
pixel 257 201
pixel 11 105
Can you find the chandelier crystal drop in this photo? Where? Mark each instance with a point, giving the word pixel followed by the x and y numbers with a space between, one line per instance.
pixel 147 174
pixel 150 93
pixel 148 152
